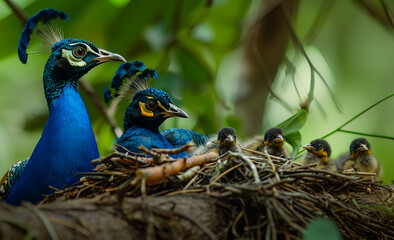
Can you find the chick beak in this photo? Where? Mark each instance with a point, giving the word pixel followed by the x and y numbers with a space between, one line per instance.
pixel 175 111
pixel 362 148
pixel 308 147
pixel 229 139
pixel 105 56
pixel 278 139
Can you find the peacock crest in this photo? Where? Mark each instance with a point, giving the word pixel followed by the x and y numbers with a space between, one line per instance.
pixel 42 27
pixel 129 79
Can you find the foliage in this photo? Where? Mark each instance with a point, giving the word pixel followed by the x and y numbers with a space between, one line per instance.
pixel 196 47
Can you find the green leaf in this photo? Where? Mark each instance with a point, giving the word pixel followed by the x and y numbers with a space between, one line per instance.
pixel 322 229
pixel 294 139
pixel 291 127
pixel 294 123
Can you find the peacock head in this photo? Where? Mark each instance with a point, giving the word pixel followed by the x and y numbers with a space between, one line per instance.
pixel 72 58
pixel 150 108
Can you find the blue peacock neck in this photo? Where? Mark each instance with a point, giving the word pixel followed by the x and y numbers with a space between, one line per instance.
pixel 58 74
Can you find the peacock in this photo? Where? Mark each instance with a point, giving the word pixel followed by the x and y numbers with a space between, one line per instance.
pixel 67 144
pixel 149 108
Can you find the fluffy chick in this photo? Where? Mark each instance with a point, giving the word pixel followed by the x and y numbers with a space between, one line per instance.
pixel 360 158
pixel 272 141
pixel 226 141
pixel 319 151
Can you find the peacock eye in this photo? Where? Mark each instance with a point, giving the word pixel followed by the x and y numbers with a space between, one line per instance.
pixel 151 105
pixel 79 52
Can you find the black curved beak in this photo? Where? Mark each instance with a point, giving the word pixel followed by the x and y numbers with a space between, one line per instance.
pixel 174 111
pixel 105 56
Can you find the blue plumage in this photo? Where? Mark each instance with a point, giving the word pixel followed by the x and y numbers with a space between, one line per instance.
pixel 148 73
pixel 67 144
pixel 126 70
pixel 136 136
pixel 44 16
pixel 107 95
pixel 66 147
pixel 179 137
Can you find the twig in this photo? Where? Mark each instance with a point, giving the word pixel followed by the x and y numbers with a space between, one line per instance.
pixel 18 11
pixel 159 173
pixel 44 219
pixel 272 165
pixel 224 173
pixel 389 13
pixel 76 227
pixel 314 70
pixel 190 173
pixel 358 115
pixel 366 134
pixel 30 233
pixel 377 14
pixel 263 154
pixel 250 163
pixel 184 148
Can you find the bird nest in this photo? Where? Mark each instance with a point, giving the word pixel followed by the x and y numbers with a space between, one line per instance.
pixel 270 197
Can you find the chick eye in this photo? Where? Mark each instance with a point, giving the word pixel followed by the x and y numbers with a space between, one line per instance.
pixel 79 52
pixel 151 105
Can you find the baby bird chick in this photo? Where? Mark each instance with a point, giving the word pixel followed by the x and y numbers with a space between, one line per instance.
pixel 226 141
pixel 319 151
pixel 273 141
pixel 360 158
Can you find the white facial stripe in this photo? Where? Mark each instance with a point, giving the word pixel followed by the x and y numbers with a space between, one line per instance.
pixel 73 61
pixel 88 49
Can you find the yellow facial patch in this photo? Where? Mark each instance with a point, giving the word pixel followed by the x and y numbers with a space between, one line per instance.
pixel 322 155
pixel 225 143
pixel 357 154
pixel 148 113
pixel 274 143
pixel 145 112
pixel 161 106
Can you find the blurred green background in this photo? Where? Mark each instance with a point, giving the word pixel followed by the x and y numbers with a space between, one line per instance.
pixel 197 48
